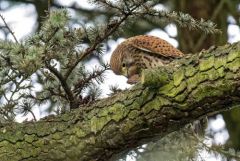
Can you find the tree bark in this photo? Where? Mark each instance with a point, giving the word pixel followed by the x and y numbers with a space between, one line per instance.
pixel 166 99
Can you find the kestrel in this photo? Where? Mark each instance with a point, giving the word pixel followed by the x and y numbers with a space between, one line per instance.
pixel 141 52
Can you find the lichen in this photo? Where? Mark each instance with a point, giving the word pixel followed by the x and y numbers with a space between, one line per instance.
pixel 80 133
pixel 206 64
pixel 190 71
pixel 178 76
pixel 213 74
pixel 233 55
pixel 204 91
pixel 56 136
pixel 127 126
pixel 133 114
pixel 30 138
pixel 234 65
pixel 220 62
pixel 177 90
pixel 181 97
pixel 195 80
pixel 166 88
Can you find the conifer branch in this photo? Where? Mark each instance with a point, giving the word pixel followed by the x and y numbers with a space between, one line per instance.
pixel 6 25
pixel 96 75
pixel 64 84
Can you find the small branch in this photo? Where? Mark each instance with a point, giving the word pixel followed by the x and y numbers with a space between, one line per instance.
pixel 6 25
pixel 95 75
pixel 64 84
pixel 34 117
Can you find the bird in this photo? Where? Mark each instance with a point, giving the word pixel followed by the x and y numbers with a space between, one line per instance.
pixel 141 52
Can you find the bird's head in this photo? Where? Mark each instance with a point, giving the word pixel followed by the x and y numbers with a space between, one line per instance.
pixel 128 67
pixel 122 63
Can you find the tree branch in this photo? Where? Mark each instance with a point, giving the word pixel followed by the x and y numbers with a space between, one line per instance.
pixel 188 89
pixel 11 32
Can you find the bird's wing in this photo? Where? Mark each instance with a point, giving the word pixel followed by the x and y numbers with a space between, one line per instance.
pixel 154 45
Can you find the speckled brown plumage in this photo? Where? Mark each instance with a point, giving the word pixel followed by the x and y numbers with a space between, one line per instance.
pixel 141 52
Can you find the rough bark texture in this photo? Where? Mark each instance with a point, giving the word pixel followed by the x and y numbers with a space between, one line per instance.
pixel 164 101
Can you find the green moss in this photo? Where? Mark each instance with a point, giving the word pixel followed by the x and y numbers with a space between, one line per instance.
pixel 206 64
pixel 56 136
pixel 204 91
pixel 133 114
pixel 56 155
pixel 18 135
pixel 221 71
pixel 43 129
pixel 74 140
pixel 195 80
pixel 147 95
pixel 11 138
pixel 181 97
pixel 35 152
pixel 98 123
pixel 213 74
pixel 190 71
pixel 234 65
pixel 80 133
pixel 220 62
pixel 127 126
pixel 39 143
pixel 156 104
pixel 103 113
pixel 115 112
pixel 4 143
pixel 166 88
pixel 95 112
pixel 29 138
pixel 149 78
pixel 91 140
pixel 177 90
pixel 134 106
pixel 178 76
pixel 66 117
pixel 230 75
pixel 233 55
pixel 128 102
pixel 72 152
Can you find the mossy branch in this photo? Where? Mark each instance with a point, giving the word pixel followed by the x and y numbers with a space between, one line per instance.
pixel 186 90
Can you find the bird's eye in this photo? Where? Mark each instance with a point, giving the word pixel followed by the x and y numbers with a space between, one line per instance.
pixel 123 65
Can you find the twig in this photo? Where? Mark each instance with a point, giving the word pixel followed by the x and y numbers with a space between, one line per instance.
pixel 34 117
pixel 64 84
pixel 6 25
pixel 95 75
